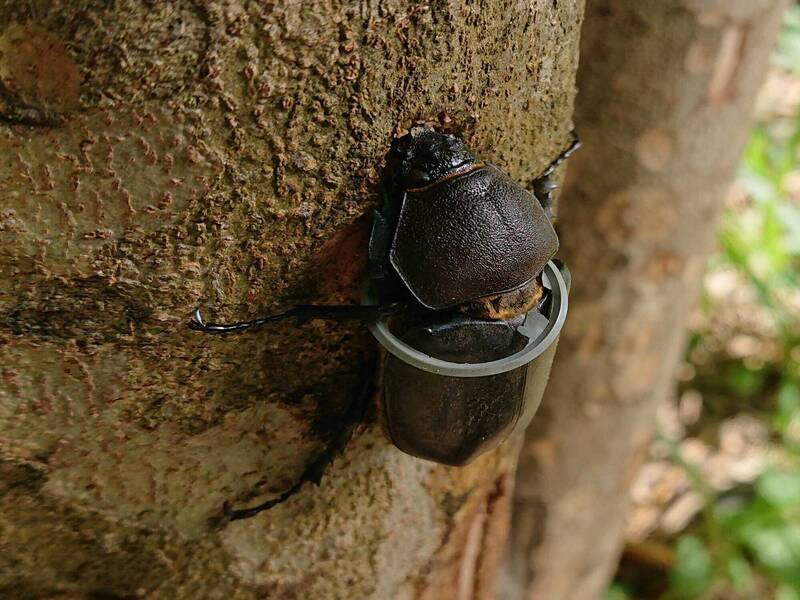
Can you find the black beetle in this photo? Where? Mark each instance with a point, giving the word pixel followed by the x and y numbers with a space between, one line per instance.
pixel 455 275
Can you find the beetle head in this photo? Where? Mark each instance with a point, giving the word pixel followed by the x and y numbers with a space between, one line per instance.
pixel 425 156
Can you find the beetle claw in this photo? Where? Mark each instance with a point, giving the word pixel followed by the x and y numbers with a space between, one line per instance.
pixel 196 322
pixel 199 324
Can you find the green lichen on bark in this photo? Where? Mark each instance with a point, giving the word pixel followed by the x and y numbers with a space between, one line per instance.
pixel 224 154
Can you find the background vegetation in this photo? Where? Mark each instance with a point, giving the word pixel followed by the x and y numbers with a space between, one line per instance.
pixel 717 506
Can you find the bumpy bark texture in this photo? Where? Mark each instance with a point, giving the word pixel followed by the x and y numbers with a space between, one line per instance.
pixel 665 94
pixel 156 156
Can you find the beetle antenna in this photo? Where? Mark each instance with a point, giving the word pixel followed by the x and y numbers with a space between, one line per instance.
pixel 303 313
pixel 543 185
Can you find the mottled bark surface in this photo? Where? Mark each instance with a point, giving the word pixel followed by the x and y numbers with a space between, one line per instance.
pixel 665 94
pixel 159 155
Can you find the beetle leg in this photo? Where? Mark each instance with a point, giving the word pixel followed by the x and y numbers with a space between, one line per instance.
pixel 303 313
pixel 543 185
pixel 316 469
pixel 384 224
pixel 574 144
pixel 565 272
pixel 378 249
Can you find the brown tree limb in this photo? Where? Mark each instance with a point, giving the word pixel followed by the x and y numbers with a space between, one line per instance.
pixel 666 93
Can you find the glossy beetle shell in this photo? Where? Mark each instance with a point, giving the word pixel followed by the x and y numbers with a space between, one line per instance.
pixel 471 235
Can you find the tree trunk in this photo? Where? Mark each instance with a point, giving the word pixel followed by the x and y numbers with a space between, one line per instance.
pixel 163 155
pixel 666 91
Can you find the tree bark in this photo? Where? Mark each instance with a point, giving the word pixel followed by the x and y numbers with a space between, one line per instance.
pixel 157 156
pixel 665 97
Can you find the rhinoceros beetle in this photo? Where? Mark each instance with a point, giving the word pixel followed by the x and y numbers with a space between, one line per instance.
pixel 462 293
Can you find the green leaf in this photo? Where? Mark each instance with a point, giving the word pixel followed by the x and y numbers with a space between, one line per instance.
pixel 692 574
pixel 789 398
pixel 788 412
pixel 741 575
pixel 785 592
pixel 744 381
pixel 616 591
pixel 776 546
pixel 782 490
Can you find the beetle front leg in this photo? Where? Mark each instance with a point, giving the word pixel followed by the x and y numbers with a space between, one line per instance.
pixel 543 185
pixel 303 313
pixel 314 472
